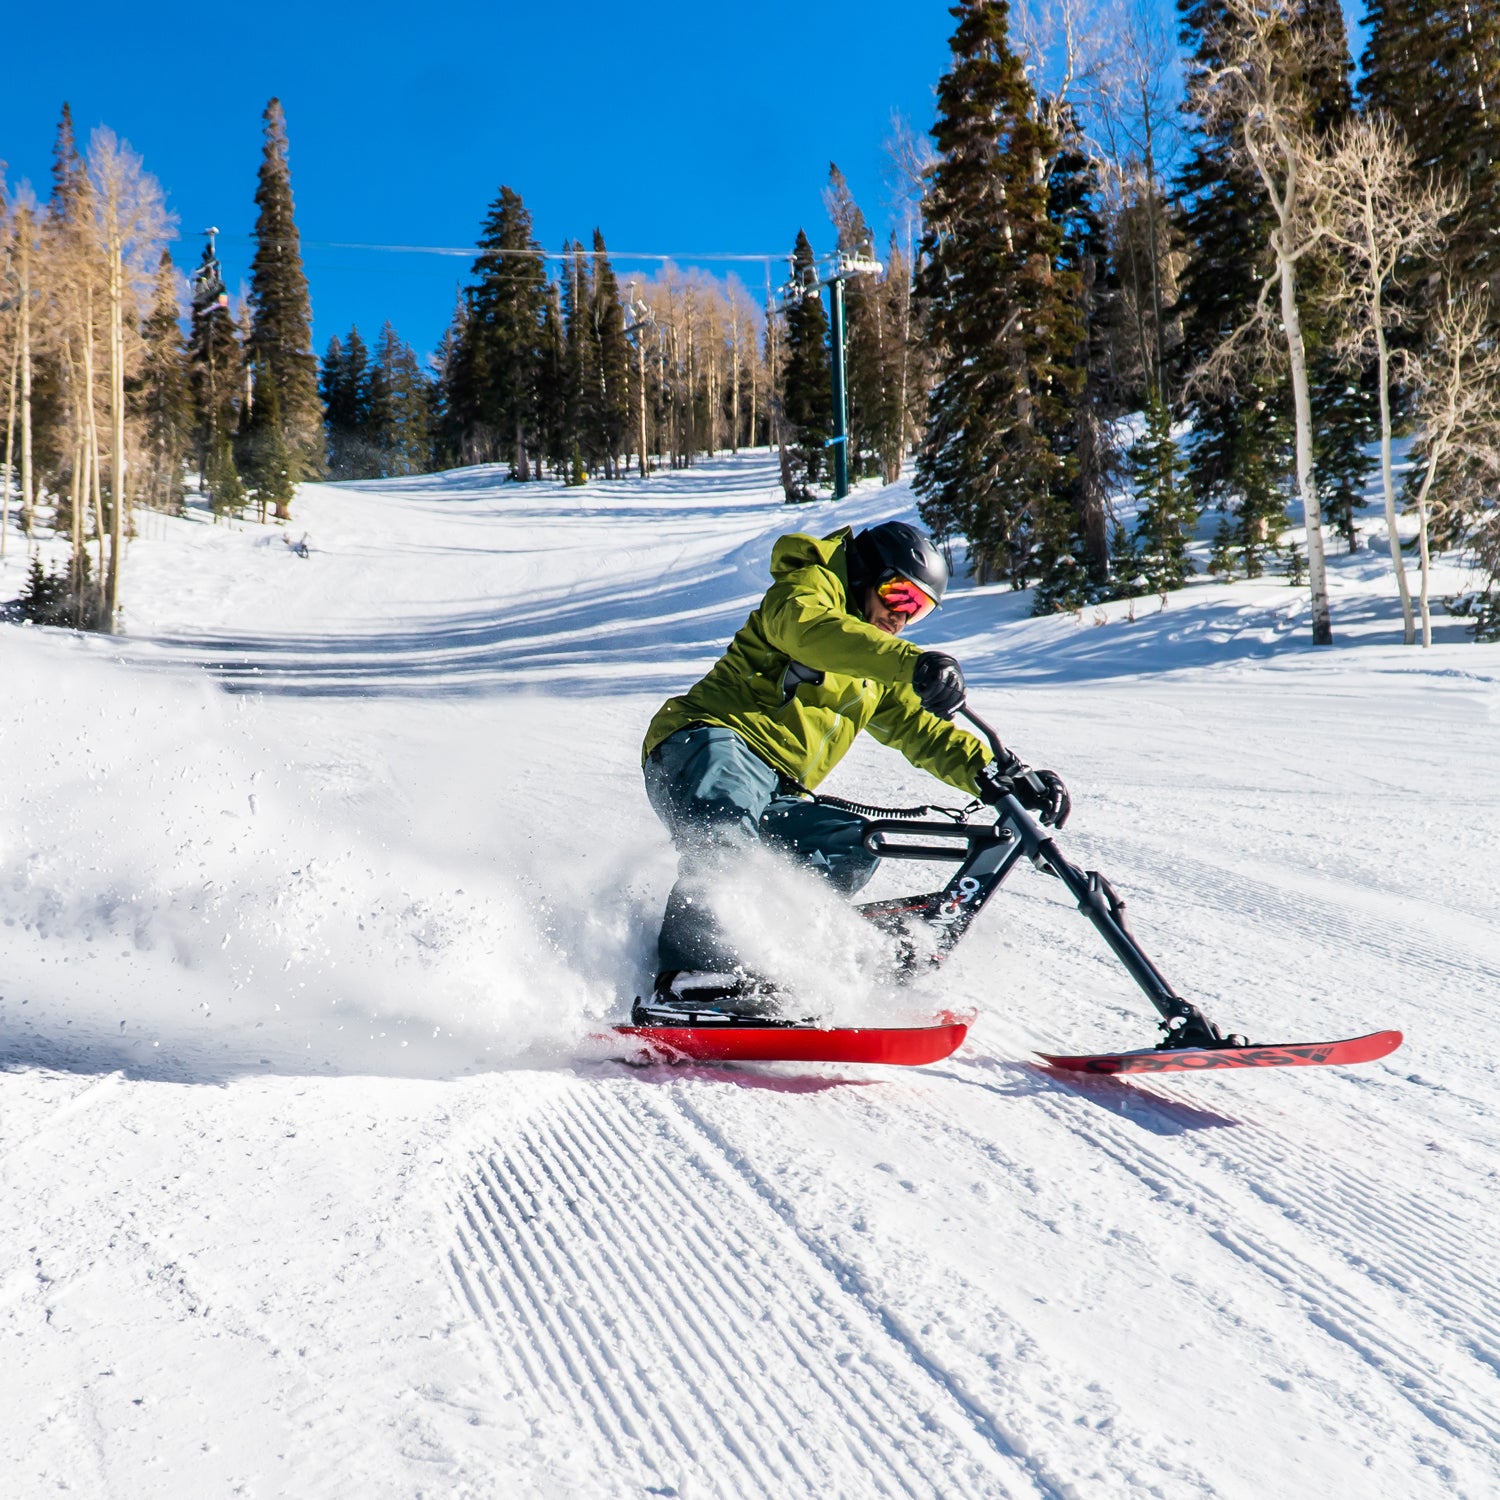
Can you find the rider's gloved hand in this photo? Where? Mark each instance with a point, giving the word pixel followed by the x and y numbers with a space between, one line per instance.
pixel 1042 792
pixel 938 681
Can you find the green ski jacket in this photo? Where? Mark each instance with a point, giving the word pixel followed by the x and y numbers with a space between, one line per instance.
pixel 801 728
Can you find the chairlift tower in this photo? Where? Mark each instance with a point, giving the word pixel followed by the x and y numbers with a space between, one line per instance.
pixel 841 267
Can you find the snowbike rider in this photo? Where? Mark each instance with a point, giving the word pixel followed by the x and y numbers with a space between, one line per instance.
pixel 727 763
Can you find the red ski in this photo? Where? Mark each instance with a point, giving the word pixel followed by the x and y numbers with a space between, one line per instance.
pixel 903 1046
pixel 1357 1049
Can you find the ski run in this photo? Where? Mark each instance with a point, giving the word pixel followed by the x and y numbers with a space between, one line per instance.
pixel 322 884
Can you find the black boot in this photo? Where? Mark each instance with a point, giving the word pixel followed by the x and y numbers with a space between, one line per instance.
pixel 701 997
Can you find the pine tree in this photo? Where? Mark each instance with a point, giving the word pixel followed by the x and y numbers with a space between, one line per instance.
pixel 555 432
pixel 806 397
pixel 581 381
pixel 1126 579
pixel 506 311
pixel 1002 314
pixel 1070 536
pixel 161 397
pixel 1433 66
pixel 611 362
pixel 1242 454
pixel 1226 221
pixel 265 455
pixel 332 387
pixel 1166 513
pixel 460 436
pixel 280 344
pixel 69 178
pixel 904 386
pixel 216 373
pixel 348 410
pixel 400 403
pixel 866 357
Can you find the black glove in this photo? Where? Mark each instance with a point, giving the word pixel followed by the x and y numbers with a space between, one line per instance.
pixel 1041 792
pixel 938 681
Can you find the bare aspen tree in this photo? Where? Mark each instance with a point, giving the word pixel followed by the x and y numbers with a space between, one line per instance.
pixel 131 222
pixel 70 327
pixel 734 375
pixel 1256 89
pixel 10 345
pixel 25 231
pixel 1458 410
pixel 10 433
pixel 1381 212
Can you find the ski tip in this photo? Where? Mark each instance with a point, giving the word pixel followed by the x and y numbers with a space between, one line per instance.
pixel 1359 1049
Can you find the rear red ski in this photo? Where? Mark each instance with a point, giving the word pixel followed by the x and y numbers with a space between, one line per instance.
pixel 901 1046
pixel 1357 1049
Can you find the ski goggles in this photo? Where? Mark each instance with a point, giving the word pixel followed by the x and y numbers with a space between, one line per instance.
pixel 903 597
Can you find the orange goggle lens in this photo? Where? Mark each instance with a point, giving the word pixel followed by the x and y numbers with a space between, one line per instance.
pixel 905 598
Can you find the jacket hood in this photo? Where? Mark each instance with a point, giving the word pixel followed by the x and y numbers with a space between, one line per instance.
pixel 793 553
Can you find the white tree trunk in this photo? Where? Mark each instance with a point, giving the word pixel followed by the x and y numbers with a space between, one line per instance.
pixel 117 430
pixel 1317 571
pixel 10 435
pixel 1434 457
pixel 27 503
pixel 1387 476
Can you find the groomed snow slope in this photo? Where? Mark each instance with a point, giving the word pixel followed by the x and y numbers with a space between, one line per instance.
pixel 315 884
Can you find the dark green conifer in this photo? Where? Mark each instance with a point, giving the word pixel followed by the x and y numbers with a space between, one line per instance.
pixel 348 410
pixel 1241 460
pixel 280 343
pixel 70 185
pixel 216 372
pixel 161 398
pixel 556 433
pixel 866 357
pixel 903 396
pixel 612 361
pixel 1070 533
pixel 806 397
pixel 506 311
pixel 459 433
pixel 1126 581
pixel 1226 223
pixel 581 391
pixel 265 456
pixel 1433 66
pixel 1166 515
pixel 1002 314
pixel 400 407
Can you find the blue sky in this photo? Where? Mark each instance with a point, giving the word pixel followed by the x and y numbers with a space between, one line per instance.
pixel 679 127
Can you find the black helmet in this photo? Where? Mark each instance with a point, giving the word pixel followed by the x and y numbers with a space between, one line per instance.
pixel 894 549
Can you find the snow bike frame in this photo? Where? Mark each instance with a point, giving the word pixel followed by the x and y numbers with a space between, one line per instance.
pixel 986 853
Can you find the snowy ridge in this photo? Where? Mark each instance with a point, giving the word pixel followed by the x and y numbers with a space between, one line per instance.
pixel 319 887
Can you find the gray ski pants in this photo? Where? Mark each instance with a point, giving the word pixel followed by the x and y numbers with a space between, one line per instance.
pixel 717 799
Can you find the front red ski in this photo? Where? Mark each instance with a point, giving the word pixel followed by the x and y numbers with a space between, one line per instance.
pixel 903 1046
pixel 1357 1049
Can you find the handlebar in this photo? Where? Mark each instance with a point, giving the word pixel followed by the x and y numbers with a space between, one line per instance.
pixel 996 748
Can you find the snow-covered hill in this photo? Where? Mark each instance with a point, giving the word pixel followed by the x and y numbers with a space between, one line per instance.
pixel 317 884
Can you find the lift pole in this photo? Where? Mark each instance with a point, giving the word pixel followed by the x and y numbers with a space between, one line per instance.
pixel 839 442
pixel 843 267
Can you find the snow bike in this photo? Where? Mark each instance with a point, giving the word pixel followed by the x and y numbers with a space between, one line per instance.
pixel 927 927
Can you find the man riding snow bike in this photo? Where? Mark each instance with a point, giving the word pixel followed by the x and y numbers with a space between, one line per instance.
pixel 730 763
